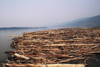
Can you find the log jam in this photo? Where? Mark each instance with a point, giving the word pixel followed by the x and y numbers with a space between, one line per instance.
pixel 55 48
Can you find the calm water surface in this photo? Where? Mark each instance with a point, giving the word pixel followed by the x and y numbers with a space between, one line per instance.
pixel 5 44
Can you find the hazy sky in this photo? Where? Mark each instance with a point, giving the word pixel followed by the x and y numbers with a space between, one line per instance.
pixel 33 13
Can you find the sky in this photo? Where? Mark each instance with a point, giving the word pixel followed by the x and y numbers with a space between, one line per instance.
pixel 39 13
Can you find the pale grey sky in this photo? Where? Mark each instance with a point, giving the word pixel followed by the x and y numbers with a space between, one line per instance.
pixel 33 13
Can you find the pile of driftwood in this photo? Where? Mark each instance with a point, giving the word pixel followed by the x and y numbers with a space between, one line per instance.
pixel 51 48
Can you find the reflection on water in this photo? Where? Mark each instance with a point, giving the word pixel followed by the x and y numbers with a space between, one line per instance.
pixel 5 44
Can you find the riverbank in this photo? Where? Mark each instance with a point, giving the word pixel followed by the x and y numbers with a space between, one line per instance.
pixel 59 46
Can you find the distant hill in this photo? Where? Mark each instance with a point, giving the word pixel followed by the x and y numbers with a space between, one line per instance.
pixel 84 22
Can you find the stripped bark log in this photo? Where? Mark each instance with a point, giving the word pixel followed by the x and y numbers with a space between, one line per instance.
pixel 21 56
pixel 83 44
pixel 47 65
pixel 71 59
pixel 14 35
pixel 55 45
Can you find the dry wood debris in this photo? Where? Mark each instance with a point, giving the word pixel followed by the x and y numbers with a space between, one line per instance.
pixel 65 45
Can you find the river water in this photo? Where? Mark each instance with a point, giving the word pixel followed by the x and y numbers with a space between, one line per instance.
pixel 4 40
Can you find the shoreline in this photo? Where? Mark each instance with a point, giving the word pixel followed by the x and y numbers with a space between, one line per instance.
pixel 65 45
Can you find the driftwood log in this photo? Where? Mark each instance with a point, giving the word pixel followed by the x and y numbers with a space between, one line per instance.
pixel 46 65
pixel 21 56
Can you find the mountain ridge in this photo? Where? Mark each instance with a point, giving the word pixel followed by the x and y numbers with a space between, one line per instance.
pixel 85 22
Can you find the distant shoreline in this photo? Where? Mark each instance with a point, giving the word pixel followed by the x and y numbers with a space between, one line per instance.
pixel 7 28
